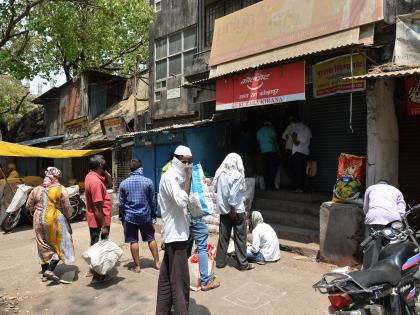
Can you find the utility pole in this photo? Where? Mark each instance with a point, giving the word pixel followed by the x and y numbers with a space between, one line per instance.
pixel 136 120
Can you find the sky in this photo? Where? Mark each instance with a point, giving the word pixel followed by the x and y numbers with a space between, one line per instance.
pixel 58 80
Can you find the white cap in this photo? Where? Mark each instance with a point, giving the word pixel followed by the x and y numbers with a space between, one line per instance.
pixel 183 150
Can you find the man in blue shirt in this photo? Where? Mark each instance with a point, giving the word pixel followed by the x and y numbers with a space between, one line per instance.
pixel 137 205
pixel 267 138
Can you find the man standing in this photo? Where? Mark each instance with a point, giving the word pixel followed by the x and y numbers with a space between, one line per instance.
pixel 137 207
pixel 383 205
pixel 287 137
pixel 301 137
pixel 229 183
pixel 98 201
pixel 267 138
pixel 174 278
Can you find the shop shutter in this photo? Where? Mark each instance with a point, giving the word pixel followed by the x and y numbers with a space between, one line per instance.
pixel 329 119
pixel 409 157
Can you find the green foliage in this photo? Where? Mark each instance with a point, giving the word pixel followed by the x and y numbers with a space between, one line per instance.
pixel 74 36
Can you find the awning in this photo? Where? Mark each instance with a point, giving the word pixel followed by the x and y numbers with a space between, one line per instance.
pixel 42 140
pixel 358 36
pixel 389 74
pixel 13 149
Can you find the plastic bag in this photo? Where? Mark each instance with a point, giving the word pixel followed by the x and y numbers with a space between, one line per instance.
pixel 19 199
pixel 194 269
pixel 350 175
pixel 201 201
pixel 250 192
pixel 103 256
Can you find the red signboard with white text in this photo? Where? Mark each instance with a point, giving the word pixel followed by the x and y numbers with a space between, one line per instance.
pixel 279 84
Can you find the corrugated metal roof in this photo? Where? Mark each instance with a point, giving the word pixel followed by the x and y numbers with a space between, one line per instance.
pixel 348 38
pixel 389 74
pixel 41 140
pixel 161 129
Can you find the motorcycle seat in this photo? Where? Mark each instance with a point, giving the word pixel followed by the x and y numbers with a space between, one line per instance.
pixel 384 271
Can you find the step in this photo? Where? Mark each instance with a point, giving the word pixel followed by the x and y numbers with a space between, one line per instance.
pixel 262 204
pixel 291 196
pixel 309 250
pixel 291 219
pixel 296 234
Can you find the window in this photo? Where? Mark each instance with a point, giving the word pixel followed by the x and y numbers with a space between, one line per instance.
pixel 173 54
pixel 158 5
pixel 219 9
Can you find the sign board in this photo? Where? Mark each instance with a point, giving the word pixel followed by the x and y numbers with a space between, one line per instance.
pixel 412 87
pixel 407 40
pixel 271 24
pixel 113 127
pixel 173 93
pixel 76 128
pixel 327 75
pixel 274 85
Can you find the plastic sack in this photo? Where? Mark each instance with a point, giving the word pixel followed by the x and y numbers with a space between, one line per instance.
pixel 19 199
pixel 194 269
pixel 350 175
pixel 103 256
pixel 201 201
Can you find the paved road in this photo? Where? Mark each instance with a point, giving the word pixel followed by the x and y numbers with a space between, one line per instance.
pixel 281 288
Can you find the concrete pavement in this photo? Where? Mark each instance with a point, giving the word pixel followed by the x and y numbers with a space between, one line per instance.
pixel 280 288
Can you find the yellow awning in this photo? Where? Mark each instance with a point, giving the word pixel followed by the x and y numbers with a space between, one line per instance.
pixel 13 149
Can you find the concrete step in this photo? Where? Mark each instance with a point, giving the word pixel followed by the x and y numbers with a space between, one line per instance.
pixel 291 196
pixel 291 219
pixel 296 234
pixel 309 250
pixel 278 205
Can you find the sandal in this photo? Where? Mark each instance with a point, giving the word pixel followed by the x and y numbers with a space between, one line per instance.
pixel 248 267
pixel 50 275
pixel 134 269
pixel 213 284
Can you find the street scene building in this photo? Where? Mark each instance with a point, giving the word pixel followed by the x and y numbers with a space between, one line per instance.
pixel 320 101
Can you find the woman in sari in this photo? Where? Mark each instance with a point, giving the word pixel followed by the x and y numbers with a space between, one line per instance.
pixel 51 207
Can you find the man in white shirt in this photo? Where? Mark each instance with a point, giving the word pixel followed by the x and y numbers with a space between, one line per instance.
pixel 174 279
pixel 300 152
pixel 229 183
pixel 265 244
pixel 287 137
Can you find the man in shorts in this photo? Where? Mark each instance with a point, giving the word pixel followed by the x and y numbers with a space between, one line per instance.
pixel 137 205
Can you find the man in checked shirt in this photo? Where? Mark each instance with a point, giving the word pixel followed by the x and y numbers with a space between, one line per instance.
pixel 137 205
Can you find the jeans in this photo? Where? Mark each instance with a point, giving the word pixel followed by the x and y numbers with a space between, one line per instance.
pixel 254 257
pixel 199 233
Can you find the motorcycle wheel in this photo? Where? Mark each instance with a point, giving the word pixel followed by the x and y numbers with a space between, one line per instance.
pixel 75 204
pixel 11 221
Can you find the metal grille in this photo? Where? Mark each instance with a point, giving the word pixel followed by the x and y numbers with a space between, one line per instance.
pixel 123 157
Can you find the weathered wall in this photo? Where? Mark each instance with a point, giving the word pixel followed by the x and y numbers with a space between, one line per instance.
pixel 392 8
pixel 341 232
pixel 383 134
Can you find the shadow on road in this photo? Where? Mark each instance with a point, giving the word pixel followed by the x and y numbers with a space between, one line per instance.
pixel 144 264
pixel 197 309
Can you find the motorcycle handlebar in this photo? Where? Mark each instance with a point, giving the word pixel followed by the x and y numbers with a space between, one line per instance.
pixel 366 241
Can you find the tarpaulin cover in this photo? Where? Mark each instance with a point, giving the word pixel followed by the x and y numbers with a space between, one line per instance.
pixel 13 149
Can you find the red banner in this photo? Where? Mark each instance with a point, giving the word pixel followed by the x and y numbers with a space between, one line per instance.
pixel 412 86
pixel 279 84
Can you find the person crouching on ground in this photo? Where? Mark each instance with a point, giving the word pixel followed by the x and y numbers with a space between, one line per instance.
pixel 98 203
pixel 174 278
pixel 137 205
pixel 265 244
pixel 51 207
pixel 229 184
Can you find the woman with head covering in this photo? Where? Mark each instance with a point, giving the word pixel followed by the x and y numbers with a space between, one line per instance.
pixel 265 244
pixel 229 184
pixel 51 206
pixel 13 173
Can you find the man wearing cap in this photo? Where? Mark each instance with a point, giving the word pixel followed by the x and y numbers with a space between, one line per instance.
pixel 174 279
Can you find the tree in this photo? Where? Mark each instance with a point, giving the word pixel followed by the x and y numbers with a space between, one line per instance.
pixel 15 101
pixel 104 35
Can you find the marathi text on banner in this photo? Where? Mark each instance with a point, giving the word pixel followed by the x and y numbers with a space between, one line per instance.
pixel 274 85
pixel 327 75
pixel 412 87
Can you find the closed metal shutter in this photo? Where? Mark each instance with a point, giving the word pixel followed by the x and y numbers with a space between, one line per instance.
pixel 329 119
pixel 409 160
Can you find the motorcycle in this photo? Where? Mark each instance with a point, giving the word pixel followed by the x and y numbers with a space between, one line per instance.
pixel 386 288
pixel 16 207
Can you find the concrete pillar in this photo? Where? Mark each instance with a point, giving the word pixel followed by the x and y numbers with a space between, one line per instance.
pixel 382 132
